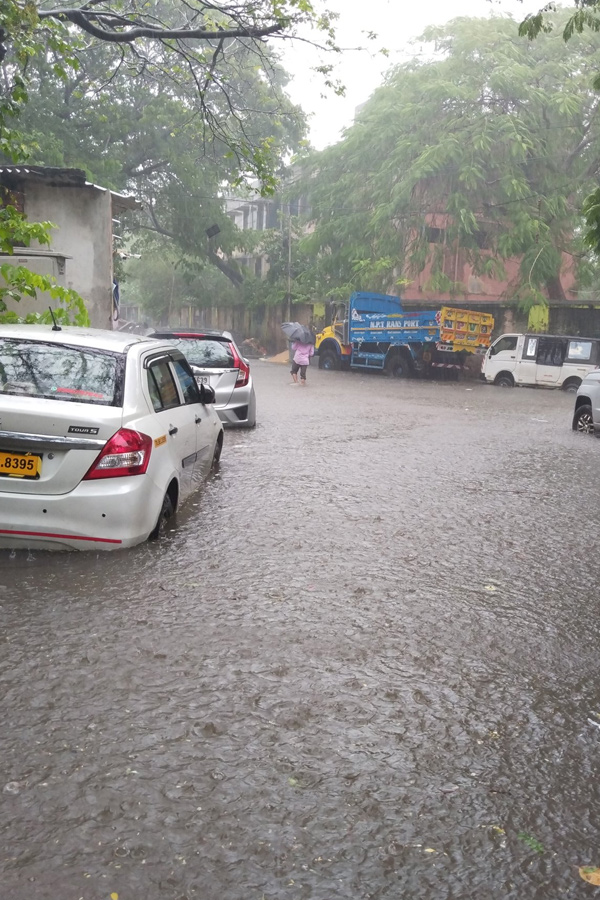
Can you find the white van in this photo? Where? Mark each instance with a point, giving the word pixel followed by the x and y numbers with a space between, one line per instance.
pixel 550 360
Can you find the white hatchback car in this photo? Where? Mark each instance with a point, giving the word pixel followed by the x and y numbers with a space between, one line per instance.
pixel 102 436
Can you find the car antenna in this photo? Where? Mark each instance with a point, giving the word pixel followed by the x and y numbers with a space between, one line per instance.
pixel 55 327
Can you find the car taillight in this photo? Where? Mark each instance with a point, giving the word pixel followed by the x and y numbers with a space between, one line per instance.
pixel 126 453
pixel 243 370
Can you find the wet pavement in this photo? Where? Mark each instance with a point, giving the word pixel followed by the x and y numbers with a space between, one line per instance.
pixel 364 664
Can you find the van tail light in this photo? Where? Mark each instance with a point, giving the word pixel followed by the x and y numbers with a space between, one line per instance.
pixel 126 453
pixel 243 370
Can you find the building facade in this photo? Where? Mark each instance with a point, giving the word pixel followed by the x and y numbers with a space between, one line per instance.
pixel 81 252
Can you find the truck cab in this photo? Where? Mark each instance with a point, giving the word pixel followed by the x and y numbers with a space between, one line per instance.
pixel 331 343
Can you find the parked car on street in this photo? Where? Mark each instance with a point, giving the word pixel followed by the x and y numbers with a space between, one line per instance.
pixel 543 360
pixel 217 361
pixel 586 418
pixel 103 435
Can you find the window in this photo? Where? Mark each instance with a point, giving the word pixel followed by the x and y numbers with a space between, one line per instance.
pixel 59 372
pixel 207 353
pixel 161 385
pixel 579 350
pixel 482 239
pixel 187 382
pixel 531 345
pixel 435 235
pixel 551 351
pixel 505 343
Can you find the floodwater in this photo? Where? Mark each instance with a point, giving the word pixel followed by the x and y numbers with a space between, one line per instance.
pixel 364 664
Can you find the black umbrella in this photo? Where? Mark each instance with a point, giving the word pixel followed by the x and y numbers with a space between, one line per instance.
pixel 295 331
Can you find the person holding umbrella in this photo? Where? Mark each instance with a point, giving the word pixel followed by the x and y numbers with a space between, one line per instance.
pixel 303 341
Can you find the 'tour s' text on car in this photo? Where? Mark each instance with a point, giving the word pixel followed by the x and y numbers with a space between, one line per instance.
pixel 103 435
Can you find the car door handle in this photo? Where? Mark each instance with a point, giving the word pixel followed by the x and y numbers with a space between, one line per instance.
pixel 173 430
pixel 198 420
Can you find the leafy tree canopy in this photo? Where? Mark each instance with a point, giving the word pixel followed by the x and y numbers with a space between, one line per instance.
pixel 176 101
pixel 200 52
pixel 141 134
pixel 499 135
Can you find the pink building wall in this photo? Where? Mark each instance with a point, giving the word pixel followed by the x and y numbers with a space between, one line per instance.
pixel 478 288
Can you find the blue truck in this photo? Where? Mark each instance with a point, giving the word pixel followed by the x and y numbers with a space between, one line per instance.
pixel 373 331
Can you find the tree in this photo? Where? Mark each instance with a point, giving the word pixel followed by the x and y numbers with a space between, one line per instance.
pixel 498 136
pixel 198 50
pixel 138 134
pixel 195 61
pixel 587 15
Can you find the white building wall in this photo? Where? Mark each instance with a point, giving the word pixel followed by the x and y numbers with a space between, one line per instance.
pixel 83 216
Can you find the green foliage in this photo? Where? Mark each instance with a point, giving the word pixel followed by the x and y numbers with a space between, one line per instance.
pixel 135 130
pixel 19 24
pixel 18 282
pixel 591 211
pixel 491 141
pixel 163 282
pixel 586 15
pixel 179 107
pixel 289 278
pixel 15 230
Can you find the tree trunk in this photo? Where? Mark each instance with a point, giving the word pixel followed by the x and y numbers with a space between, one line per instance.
pixel 555 289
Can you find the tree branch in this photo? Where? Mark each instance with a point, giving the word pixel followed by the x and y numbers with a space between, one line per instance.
pixel 82 18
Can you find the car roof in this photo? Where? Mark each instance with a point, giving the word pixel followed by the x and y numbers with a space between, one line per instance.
pixel 185 333
pixel 94 338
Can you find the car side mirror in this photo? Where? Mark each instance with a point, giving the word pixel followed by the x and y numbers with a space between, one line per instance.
pixel 207 394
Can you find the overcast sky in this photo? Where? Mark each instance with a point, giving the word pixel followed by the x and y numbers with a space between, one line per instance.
pixel 396 22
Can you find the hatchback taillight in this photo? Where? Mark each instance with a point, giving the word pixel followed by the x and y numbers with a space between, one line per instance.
pixel 126 453
pixel 243 375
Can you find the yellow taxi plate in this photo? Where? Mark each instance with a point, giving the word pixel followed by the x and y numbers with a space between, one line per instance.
pixel 20 465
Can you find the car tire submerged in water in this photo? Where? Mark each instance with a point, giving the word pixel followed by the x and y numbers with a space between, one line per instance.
pixel 583 421
pixel 214 466
pixel 167 511
pixel 504 379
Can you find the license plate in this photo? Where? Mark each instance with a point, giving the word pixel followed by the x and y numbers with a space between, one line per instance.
pixel 20 465
pixel 203 379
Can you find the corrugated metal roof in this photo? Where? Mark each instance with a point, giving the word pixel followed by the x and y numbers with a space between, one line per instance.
pixel 10 176
pixel 23 252
pixel 49 174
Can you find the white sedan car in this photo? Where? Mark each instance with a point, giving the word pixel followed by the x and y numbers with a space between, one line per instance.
pixel 102 436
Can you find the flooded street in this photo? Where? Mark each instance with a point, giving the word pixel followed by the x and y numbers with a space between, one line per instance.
pixel 363 665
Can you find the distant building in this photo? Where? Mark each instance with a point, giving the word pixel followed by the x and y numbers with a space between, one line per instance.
pixel 470 286
pixel 258 213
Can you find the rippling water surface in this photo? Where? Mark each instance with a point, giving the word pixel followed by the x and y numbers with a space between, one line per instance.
pixel 364 664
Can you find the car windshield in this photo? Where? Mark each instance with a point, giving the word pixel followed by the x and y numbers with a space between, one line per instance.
pixel 206 352
pixel 59 372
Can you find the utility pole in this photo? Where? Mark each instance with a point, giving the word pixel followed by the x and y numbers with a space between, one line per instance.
pixel 289 271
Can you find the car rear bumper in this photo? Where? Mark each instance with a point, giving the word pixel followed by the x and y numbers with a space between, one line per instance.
pixel 107 514
pixel 242 414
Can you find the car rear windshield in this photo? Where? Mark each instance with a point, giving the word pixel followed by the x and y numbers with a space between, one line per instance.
pixel 206 352
pixel 60 372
